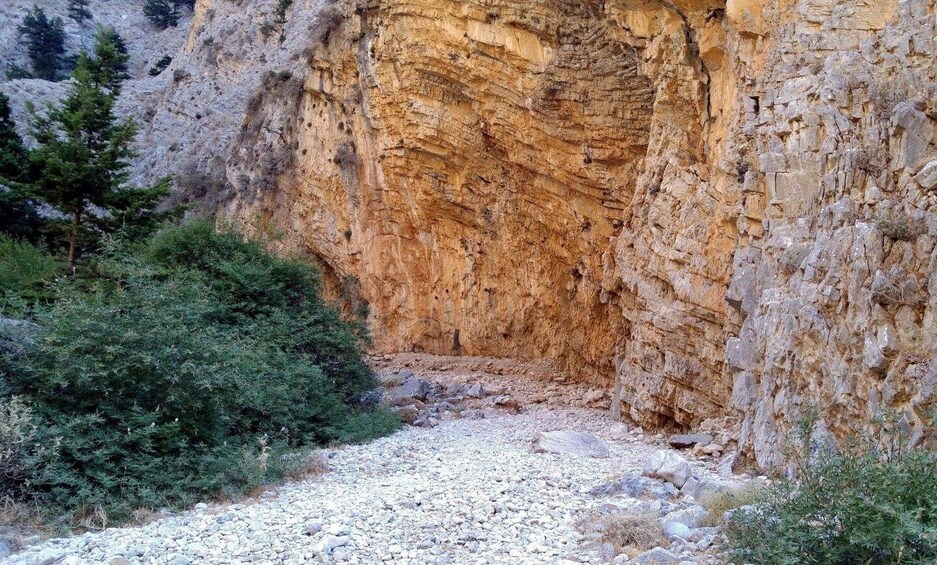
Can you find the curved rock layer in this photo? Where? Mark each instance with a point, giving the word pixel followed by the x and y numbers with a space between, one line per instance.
pixel 724 207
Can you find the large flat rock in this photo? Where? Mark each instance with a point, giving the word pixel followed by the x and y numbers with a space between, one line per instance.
pixel 569 443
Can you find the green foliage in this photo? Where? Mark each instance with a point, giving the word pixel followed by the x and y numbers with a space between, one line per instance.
pixel 83 151
pixel 18 215
pixel 863 505
pixel 262 287
pixel 137 214
pixel 45 42
pixel 15 72
pixel 282 7
pixel 187 371
pixel 161 13
pixel 12 150
pixel 110 57
pixel 78 10
pixel 24 270
pixel 160 65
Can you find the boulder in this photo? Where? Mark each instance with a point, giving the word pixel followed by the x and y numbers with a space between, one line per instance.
pixel 569 443
pixel 407 414
pixel 416 388
pixel 389 379
pixel 475 391
pixel 927 176
pixel 506 402
pixel 635 487
pixel 676 530
pixel 691 517
pixel 594 395
pixel 668 466
pixel 426 422
pixel 683 441
pixel 656 556
pixel 412 390
pixel 330 542
pixel 369 400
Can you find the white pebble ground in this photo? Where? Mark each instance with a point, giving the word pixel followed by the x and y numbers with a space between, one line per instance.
pixel 466 491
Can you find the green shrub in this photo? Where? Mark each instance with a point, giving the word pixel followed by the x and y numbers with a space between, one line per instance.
pixel 852 507
pixel 25 271
pixel 160 66
pixel 187 371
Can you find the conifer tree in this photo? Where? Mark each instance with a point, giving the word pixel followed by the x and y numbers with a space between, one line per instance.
pixel 161 13
pixel 18 215
pixel 78 10
pixel 12 150
pixel 83 149
pixel 45 42
pixel 110 52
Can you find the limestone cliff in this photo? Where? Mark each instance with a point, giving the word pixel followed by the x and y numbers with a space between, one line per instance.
pixel 704 195
pixel 726 207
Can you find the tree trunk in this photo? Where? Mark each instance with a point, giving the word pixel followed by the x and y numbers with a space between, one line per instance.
pixel 73 240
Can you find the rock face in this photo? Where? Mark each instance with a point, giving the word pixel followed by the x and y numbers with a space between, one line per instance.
pixel 724 207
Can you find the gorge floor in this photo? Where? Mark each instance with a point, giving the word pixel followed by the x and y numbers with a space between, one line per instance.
pixel 465 491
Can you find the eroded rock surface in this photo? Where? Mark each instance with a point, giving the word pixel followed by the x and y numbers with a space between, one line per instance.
pixel 711 209
pixel 724 207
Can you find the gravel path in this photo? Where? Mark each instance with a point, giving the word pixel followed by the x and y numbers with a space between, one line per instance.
pixel 466 491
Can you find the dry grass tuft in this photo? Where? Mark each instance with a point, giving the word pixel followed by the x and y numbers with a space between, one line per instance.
pixel 633 532
pixel 313 465
pixel 897 225
pixel 19 521
pixel 719 503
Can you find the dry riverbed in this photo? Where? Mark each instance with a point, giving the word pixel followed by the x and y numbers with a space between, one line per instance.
pixel 467 487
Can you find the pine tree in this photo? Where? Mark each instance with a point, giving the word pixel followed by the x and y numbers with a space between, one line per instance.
pixel 18 215
pixel 83 149
pixel 12 150
pixel 161 13
pixel 45 42
pixel 78 10
pixel 110 52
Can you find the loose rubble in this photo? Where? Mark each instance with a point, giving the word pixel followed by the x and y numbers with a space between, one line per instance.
pixel 463 484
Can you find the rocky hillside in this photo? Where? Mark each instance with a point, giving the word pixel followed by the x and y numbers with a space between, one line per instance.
pixel 726 208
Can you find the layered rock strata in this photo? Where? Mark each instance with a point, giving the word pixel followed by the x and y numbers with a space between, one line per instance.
pixel 724 206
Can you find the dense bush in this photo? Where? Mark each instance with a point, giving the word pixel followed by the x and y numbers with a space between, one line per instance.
pixel 857 506
pixel 186 371
pixel 25 271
